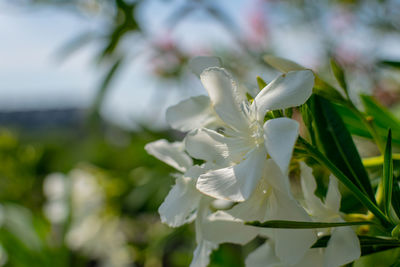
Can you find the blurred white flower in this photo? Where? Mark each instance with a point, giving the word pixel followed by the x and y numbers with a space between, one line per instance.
pixel 92 230
pixel 55 186
pixel 56 211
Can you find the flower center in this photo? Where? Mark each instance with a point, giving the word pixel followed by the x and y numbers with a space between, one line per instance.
pixel 257 133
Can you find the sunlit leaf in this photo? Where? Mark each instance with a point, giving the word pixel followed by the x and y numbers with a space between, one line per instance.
pixel 261 83
pixel 339 75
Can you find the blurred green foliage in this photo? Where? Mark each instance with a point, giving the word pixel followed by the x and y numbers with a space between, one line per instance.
pixel 134 184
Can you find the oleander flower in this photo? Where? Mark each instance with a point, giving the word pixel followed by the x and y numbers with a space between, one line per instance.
pixel 184 203
pixel 268 202
pixel 245 140
pixel 343 246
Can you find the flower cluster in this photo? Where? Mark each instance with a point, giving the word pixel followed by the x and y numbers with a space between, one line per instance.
pixel 243 174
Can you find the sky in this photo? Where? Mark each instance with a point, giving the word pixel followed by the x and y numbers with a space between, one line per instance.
pixel 33 77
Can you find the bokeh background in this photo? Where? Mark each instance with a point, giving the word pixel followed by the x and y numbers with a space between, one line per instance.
pixel 84 85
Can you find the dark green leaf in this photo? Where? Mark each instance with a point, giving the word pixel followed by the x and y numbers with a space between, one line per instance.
pixel 390 63
pixel 303 225
pixel 387 177
pixel 339 75
pixel 396 197
pixel 338 145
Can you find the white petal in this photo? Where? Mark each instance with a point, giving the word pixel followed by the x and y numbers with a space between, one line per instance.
pixel 313 257
pixel 237 182
pixel 198 64
pixel 221 227
pixel 181 203
pixel 226 97
pixel 281 64
pixel 280 135
pixel 333 196
pixel 274 177
pixel 207 145
pixel 255 208
pixel 309 185
pixel 343 247
pixel 290 244
pixel 263 256
pixel 171 153
pixel 192 113
pixel 201 255
pixel 288 90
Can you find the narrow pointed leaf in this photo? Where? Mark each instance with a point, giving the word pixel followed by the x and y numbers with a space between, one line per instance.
pixel 338 145
pixel 396 197
pixel 303 225
pixel 339 75
pixel 382 118
pixel 261 83
pixel 390 63
pixel 387 177
pixel 369 244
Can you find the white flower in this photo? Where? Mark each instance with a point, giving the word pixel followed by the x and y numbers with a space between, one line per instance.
pixel 343 246
pixel 247 140
pixel 197 111
pixel 184 203
pixel 267 202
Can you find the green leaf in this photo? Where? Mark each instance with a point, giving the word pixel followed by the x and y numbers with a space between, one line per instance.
pixel 352 121
pixel 105 85
pixel 381 117
pixel 339 75
pixel 327 91
pixel 306 113
pixel 281 64
pixel 390 63
pixel 261 83
pixel 338 145
pixel 303 225
pixel 387 177
pixel 308 150
pixel 396 197
pixel 369 244
pixel 74 45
